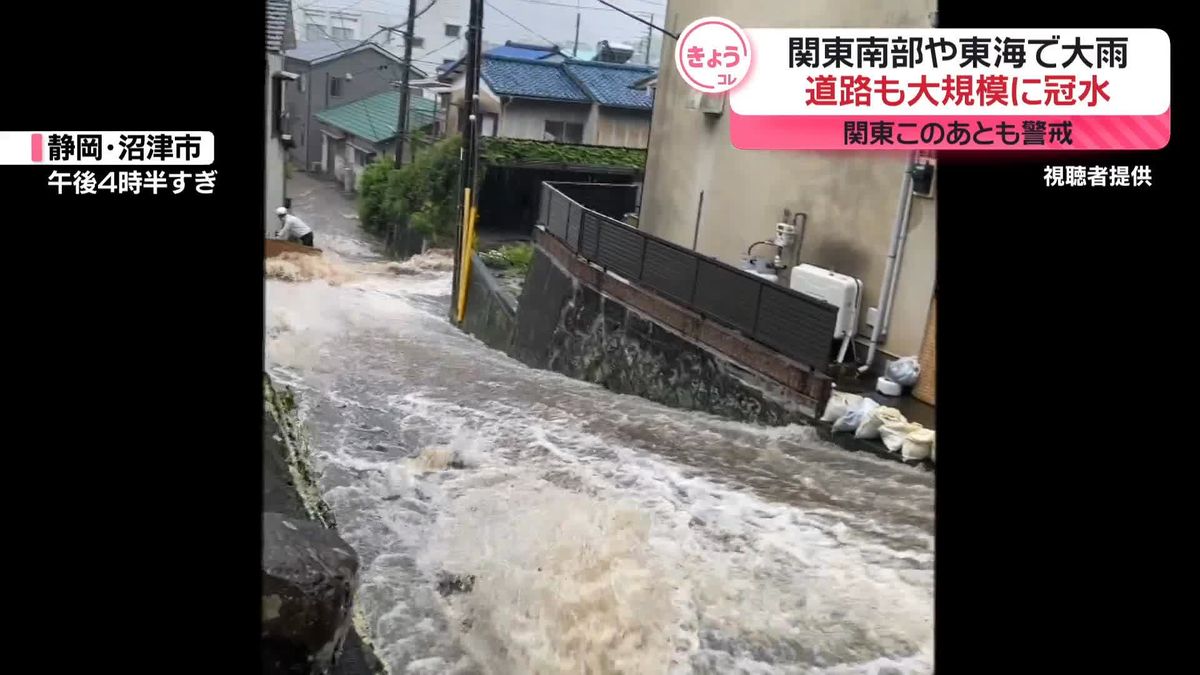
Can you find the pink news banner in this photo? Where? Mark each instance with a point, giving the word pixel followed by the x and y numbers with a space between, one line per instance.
pixel 933 89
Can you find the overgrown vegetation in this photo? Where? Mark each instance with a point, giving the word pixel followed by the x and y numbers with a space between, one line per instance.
pixel 502 151
pixel 280 402
pixel 422 194
pixel 516 257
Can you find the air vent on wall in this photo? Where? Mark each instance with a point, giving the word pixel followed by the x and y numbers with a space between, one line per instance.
pixel 709 104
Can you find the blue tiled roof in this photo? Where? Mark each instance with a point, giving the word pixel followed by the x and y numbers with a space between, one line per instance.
pixel 583 81
pixel 611 84
pixel 530 79
pixel 520 53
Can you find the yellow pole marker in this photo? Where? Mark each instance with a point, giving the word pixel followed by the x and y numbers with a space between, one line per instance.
pixel 468 247
pixel 467 265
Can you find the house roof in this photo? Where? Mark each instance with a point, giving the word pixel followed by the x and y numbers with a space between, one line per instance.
pixel 510 49
pixel 519 52
pixel 648 81
pixel 526 78
pixel 313 52
pixel 374 118
pixel 279 25
pixel 610 84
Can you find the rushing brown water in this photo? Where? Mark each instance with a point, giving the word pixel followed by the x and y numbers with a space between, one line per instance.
pixel 602 533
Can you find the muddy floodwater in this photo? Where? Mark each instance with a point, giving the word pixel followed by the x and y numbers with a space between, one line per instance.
pixel 588 532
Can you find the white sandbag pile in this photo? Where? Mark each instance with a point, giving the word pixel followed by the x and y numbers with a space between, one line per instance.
pixel 866 419
pixel 876 419
pixel 894 434
pixel 854 417
pixel 839 403
pixel 917 445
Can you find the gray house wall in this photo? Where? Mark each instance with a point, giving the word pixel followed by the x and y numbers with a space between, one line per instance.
pixel 276 154
pixel 368 79
pixel 526 118
pixel 623 128
pixel 850 197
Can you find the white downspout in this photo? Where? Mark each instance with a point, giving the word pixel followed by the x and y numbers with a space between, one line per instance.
pixel 888 288
pixel 886 320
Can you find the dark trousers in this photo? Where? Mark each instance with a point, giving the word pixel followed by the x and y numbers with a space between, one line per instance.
pixel 307 240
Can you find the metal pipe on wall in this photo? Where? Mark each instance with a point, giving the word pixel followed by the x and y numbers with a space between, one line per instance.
pixel 899 234
pixel 886 316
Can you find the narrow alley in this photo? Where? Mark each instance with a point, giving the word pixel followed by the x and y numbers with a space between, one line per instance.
pixel 600 533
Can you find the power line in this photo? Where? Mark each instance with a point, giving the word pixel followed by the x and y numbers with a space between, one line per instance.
pixel 549 3
pixel 638 19
pixel 548 40
pixel 442 47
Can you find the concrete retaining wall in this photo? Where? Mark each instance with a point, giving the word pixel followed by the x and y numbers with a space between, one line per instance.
pixel 576 320
pixel 491 312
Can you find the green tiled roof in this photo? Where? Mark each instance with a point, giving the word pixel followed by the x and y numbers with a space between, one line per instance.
pixel 374 119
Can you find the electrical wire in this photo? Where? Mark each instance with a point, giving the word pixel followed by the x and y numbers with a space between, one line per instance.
pixel 503 14
pixel 549 3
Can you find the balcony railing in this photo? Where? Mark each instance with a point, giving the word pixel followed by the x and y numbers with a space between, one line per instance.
pixel 584 218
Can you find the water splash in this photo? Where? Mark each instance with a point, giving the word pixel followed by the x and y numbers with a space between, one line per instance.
pixel 603 533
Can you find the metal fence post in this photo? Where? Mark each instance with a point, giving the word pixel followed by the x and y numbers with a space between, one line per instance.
pixel 642 258
pixel 757 310
pixel 695 282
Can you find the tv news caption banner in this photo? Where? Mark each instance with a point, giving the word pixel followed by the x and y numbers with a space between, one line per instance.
pixel 933 89
pixel 79 161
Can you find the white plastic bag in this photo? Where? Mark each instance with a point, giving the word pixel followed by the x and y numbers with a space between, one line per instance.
pixel 904 371
pixel 839 403
pixel 893 434
pixel 855 416
pixel 918 444
pixel 878 417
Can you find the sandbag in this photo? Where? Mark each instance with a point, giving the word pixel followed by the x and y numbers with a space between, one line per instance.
pixel 933 450
pixel 904 371
pixel 855 416
pixel 839 403
pixel 875 420
pixel 918 444
pixel 893 434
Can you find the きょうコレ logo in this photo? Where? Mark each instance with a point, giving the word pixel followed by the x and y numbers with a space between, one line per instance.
pixel 712 55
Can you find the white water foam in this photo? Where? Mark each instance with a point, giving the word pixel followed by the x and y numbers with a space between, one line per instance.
pixel 603 533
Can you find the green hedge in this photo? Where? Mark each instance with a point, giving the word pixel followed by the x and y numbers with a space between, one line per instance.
pixel 423 193
pixel 500 151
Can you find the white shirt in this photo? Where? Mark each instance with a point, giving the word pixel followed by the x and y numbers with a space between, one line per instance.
pixel 293 227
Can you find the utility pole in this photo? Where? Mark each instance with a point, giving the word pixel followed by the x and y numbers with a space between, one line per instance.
pixel 649 39
pixel 470 131
pixel 575 49
pixel 402 122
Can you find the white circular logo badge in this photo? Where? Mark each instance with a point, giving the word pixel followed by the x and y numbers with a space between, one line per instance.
pixel 712 55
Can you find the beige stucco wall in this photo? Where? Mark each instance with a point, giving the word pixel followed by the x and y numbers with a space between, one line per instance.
pixel 527 119
pixel 851 198
pixel 276 155
pixel 622 128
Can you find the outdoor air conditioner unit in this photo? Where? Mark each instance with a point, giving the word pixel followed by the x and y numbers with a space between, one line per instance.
pixel 838 290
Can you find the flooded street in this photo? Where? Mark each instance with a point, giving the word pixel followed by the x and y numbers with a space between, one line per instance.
pixel 601 533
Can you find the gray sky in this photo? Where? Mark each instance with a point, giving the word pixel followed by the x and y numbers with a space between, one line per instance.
pixel 597 22
pixel 543 20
